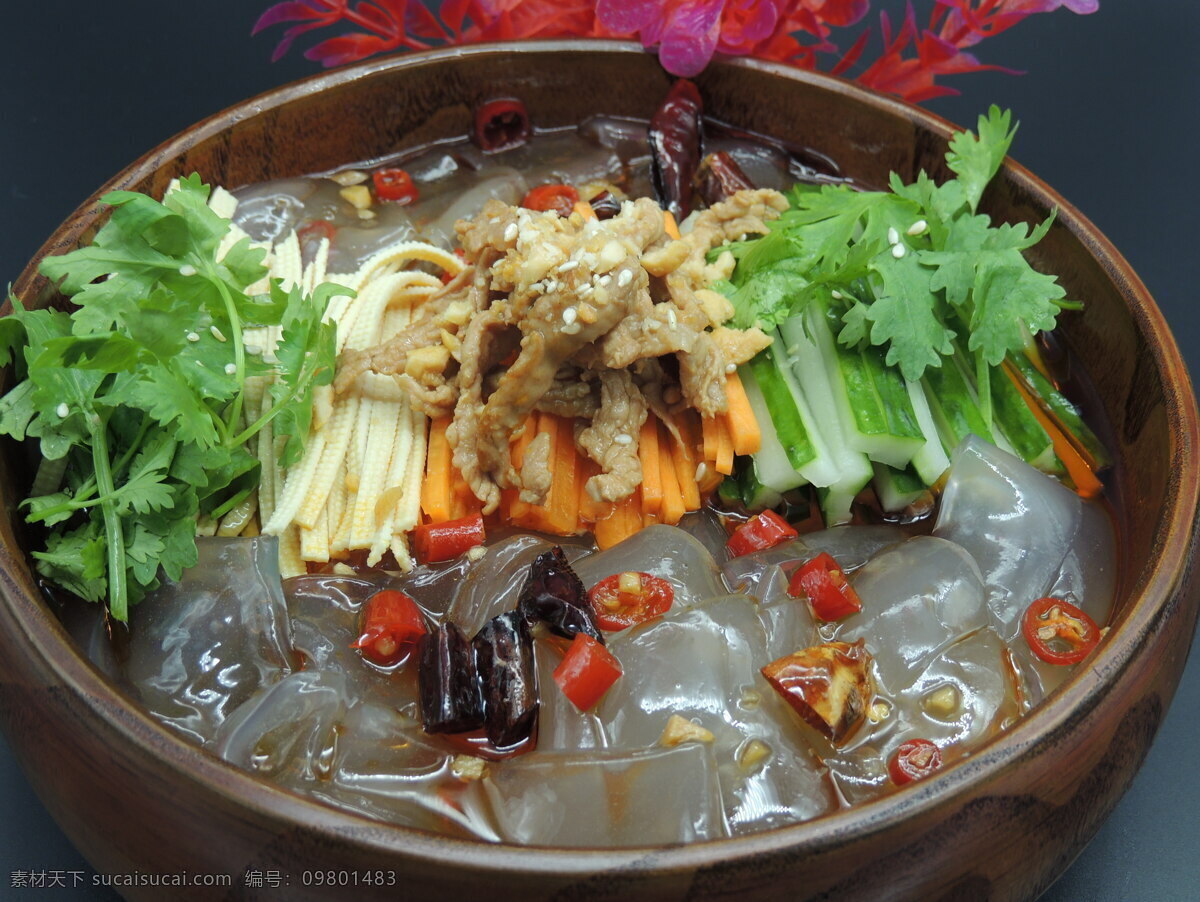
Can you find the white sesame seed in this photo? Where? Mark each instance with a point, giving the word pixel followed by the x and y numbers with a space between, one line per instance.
pixel 586 288
pixel 917 227
pixel 893 236
pixel 672 318
pixel 604 280
pixel 62 410
pixel 622 439
pixel 898 251
pixel 569 315
pixel 192 336
pixel 624 278
pixel 510 233
pixel 571 329
pixel 230 369
pixel 216 333
pixel 187 270
pixel 730 369
pixel 568 266
pixel 701 471
pixel 552 285
pixel 837 295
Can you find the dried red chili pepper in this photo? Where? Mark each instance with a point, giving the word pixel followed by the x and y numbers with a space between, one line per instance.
pixel 720 177
pixel 676 136
pixel 605 206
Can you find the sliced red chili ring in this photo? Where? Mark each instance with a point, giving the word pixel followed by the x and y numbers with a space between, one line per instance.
pixel 914 760
pixel 1058 632
pixel 766 530
pixel 395 186
pixel 501 124
pixel 560 199
pixel 822 582
pixel 626 599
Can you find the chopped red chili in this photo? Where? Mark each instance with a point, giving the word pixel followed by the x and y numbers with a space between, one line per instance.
pixel 914 760
pixel 822 582
pixel 1058 632
pixel 586 672
pixel 316 229
pixel 391 625
pixel 442 541
pixel 766 530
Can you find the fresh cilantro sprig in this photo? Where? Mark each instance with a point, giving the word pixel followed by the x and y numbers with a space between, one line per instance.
pixel 915 270
pixel 137 396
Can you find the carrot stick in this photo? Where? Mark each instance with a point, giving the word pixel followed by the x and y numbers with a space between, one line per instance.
pixel 435 491
pixel 685 466
pixel 563 502
pixel 522 441
pixel 584 209
pixel 724 456
pixel 631 514
pixel 609 526
pixel 709 430
pixel 518 510
pixel 669 225
pixel 743 427
pixel 1086 483
pixel 649 453
pixel 672 501
pixel 590 510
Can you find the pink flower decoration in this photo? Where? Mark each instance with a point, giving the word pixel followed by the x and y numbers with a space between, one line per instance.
pixel 687 33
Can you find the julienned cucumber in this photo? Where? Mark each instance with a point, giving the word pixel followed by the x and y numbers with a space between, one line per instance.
pixel 872 399
pixel 849 469
pixel 773 466
pixel 897 490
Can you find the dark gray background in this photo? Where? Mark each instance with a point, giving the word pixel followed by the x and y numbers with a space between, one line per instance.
pixel 1108 111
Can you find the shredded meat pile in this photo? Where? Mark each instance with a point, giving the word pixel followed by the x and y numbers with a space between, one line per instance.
pixel 602 321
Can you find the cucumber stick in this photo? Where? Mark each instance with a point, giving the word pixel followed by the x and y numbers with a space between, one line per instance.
pixel 776 463
pixel 872 398
pixel 849 469
pixel 1030 441
pixel 931 461
pixel 897 490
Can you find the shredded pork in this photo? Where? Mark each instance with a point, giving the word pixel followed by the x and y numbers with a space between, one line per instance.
pixel 601 321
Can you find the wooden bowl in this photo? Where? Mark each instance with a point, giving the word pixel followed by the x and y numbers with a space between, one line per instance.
pixel 1003 823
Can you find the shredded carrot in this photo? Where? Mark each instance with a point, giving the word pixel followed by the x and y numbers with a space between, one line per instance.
pixel 1086 483
pixel 709 480
pixel 724 457
pixel 521 442
pixel 435 491
pixel 673 507
pixel 563 503
pixel 709 431
pixel 648 452
pixel 743 426
pixel 609 527
pixel 590 510
pixel 684 457
pixel 669 225
pixel 584 209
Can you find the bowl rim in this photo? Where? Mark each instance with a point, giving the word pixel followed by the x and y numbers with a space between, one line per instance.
pixel 1175 536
